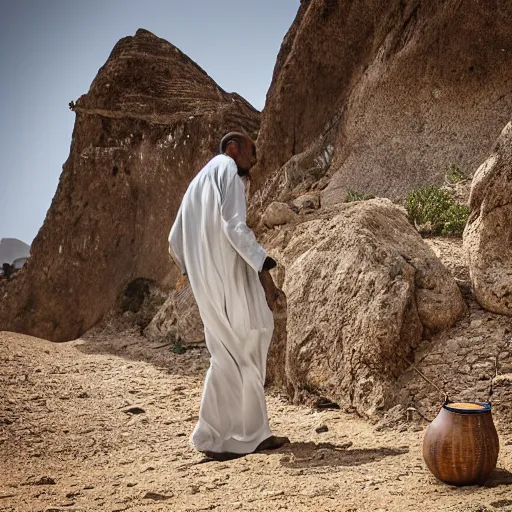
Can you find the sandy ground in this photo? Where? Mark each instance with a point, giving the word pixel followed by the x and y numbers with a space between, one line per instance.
pixel 102 423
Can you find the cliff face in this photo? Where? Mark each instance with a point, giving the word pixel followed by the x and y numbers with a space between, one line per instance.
pixel 384 96
pixel 151 119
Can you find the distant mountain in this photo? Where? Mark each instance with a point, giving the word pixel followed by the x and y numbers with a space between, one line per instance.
pixel 12 248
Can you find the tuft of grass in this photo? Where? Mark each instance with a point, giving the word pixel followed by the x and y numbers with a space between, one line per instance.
pixel 454 175
pixel 352 195
pixel 178 347
pixel 432 210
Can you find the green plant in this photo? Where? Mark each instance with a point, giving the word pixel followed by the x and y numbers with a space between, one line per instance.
pixel 433 210
pixel 455 220
pixel 352 195
pixel 454 175
pixel 178 347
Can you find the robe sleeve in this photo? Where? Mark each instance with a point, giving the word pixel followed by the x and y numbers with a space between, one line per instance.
pixel 176 243
pixel 242 239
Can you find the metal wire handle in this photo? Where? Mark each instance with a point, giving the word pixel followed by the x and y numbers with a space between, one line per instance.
pixel 445 395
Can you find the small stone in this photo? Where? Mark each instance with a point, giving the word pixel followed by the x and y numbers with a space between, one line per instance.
pixel 134 410
pixel 273 494
pixel 44 480
pixel 156 496
pixel 321 429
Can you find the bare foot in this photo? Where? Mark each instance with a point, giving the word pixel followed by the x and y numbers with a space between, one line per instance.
pixel 272 443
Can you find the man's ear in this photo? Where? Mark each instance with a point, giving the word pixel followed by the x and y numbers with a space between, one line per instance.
pixel 237 147
pixel 233 149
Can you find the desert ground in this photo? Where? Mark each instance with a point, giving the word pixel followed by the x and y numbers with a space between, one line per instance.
pixel 102 423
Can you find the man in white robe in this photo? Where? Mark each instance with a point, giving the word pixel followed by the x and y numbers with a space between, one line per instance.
pixel 211 243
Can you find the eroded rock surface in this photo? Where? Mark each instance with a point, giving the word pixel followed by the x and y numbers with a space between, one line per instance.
pixel 277 214
pixel 488 234
pixel 391 92
pixel 151 119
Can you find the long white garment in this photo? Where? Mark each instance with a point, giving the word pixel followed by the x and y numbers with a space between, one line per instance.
pixel 212 244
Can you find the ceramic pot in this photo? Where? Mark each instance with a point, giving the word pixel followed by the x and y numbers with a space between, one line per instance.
pixel 461 445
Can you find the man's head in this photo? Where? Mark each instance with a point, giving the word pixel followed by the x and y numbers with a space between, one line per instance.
pixel 241 149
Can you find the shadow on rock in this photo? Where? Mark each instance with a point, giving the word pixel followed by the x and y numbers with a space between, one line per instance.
pixel 302 455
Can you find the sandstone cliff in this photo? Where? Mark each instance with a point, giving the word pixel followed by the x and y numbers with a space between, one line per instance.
pixel 150 121
pixel 383 96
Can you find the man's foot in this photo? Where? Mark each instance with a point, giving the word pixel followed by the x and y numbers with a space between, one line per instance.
pixel 223 456
pixel 272 443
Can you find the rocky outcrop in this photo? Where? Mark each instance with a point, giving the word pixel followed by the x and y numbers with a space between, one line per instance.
pixel 383 96
pixel 151 119
pixel 488 233
pixel 363 289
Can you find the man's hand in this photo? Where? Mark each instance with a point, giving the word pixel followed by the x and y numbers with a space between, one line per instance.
pixel 269 263
pixel 276 299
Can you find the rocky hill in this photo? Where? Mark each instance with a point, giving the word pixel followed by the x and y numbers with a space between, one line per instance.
pixel 151 119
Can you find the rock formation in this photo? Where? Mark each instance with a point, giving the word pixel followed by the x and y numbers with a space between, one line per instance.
pixel 488 233
pixel 363 290
pixel 151 119
pixel 383 96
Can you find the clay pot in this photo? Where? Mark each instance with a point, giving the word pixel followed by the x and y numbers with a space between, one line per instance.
pixel 461 445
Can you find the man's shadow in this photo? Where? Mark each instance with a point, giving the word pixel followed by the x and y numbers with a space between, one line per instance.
pixel 302 455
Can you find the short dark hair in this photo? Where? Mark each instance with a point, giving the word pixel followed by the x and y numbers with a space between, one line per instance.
pixel 238 137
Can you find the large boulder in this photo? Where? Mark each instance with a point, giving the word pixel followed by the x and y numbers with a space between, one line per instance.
pixel 488 233
pixel 151 119
pixel 388 94
pixel 362 289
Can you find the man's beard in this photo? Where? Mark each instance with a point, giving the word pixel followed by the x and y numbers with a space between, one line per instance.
pixel 242 172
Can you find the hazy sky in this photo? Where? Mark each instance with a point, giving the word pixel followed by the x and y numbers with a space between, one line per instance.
pixel 51 50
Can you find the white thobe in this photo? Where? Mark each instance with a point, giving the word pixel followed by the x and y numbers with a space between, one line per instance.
pixel 213 246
